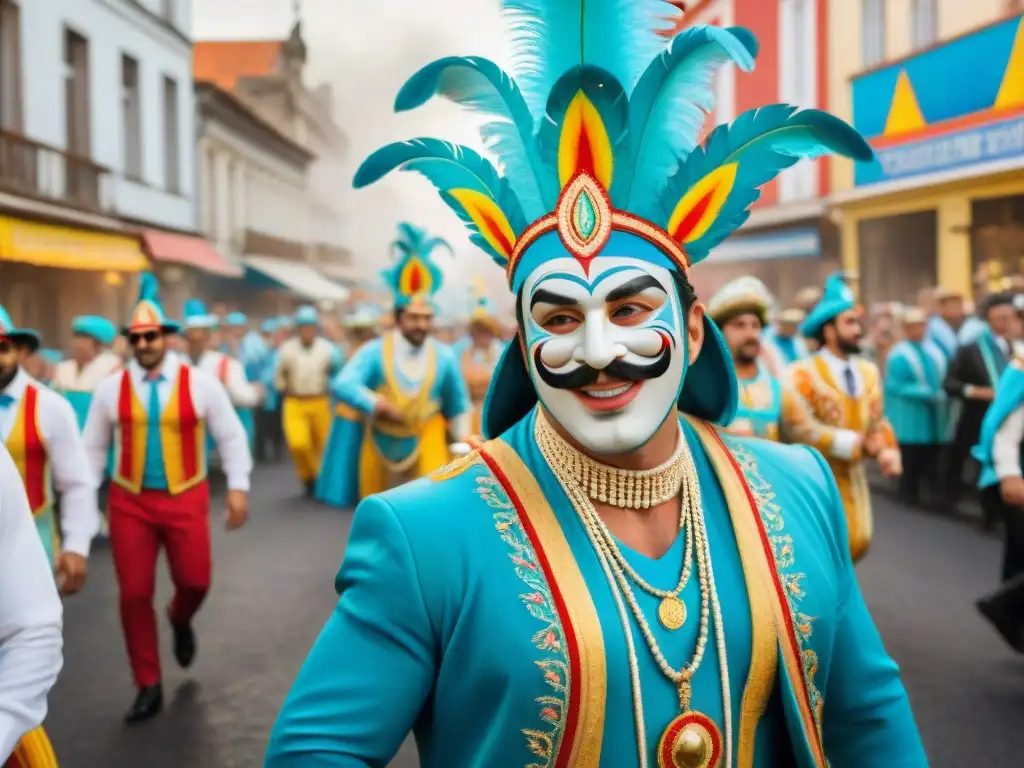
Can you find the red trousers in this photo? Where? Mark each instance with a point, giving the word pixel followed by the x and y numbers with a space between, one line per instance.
pixel 139 524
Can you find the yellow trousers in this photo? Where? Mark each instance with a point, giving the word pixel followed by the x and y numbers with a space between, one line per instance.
pixel 374 474
pixel 307 423
pixel 33 751
pixel 853 489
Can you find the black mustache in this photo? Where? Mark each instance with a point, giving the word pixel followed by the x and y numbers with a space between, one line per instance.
pixel 617 369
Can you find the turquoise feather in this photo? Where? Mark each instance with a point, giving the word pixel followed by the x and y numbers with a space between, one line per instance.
pixel 149 287
pixel 670 104
pixel 447 166
pixel 481 85
pixel 764 142
pixel 414 243
pixel 552 37
pixel 607 96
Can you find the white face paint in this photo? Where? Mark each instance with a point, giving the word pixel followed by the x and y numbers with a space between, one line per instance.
pixel 607 351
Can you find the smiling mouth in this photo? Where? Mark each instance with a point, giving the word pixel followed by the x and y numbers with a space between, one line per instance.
pixel 611 396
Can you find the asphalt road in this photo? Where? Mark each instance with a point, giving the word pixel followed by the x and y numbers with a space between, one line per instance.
pixel 273 588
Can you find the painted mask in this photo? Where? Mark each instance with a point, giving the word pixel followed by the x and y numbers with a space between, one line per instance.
pixel 607 351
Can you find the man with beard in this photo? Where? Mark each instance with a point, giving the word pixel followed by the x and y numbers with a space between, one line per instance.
pixel 40 434
pixel 608 580
pixel 401 396
pixel 223 366
pixel 157 412
pixel 844 416
pixel 766 406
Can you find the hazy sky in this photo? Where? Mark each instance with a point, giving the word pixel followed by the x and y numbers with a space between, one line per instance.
pixel 366 49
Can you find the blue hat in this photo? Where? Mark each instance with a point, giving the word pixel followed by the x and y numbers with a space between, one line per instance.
pixel 22 337
pixel 269 325
pixel 285 321
pixel 236 320
pixel 837 298
pixel 307 315
pixel 53 356
pixel 196 316
pixel 600 149
pixel 148 314
pixel 414 279
pixel 95 327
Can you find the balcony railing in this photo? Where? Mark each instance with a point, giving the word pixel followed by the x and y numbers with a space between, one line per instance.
pixel 32 169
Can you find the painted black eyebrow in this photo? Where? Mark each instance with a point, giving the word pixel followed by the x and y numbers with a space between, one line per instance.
pixel 547 297
pixel 634 287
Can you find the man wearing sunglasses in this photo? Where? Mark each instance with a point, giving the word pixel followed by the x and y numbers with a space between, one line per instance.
pixel 157 411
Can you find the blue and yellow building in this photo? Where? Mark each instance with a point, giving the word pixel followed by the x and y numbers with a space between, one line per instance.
pixel 944 201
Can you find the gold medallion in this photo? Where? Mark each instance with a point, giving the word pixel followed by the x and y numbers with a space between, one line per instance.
pixel 672 613
pixel 692 740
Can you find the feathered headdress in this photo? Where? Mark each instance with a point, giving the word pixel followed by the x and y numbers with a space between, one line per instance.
pixel 597 143
pixel 148 314
pixel 414 278
pixel 482 312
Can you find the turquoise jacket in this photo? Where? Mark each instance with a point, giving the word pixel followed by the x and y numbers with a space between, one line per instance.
pixel 1009 397
pixel 474 612
pixel 915 402
pixel 355 389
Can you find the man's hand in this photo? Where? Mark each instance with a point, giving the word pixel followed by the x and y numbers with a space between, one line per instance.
pixel 71 570
pixel 1012 491
pixel 890 462
pixel 985 394
pixel 873 445
pixel 238 510
pixel 385 411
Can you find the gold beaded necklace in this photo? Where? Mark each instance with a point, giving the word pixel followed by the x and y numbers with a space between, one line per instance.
pixel 671 610
pixel 691 740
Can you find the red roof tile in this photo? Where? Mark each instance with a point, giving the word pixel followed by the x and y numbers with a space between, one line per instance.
pixel 224 62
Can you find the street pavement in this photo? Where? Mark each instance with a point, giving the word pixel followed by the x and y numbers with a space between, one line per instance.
pixel 273 589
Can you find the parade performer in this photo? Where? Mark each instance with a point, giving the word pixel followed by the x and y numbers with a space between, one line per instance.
pixel 401 396
pixel 786 338
pixel 157 412
pixel 766 407
pixel 479 357
pixel 533 604
pixel 843 413
pixel 916 404
pixel 223 366
pixel 30 628
pixel 40 431
pixel 1000 453
pixel 305 365
pixel 360 327
pixel 90 362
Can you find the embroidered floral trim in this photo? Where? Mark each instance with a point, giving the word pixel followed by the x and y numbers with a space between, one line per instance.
pixel 549 638
pixel 785 563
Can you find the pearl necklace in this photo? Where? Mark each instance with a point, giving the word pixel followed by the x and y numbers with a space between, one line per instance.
pixel 688 735
pixel 623 488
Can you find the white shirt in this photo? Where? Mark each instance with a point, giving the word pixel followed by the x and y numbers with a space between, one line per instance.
pixel 74 483
pixel 68 377
pixel 209 398
pixel 31 616
pixel 305 371
pixel 844 441
pixel 242 393
pixel 1006 446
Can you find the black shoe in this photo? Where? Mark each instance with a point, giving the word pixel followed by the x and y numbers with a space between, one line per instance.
pixel 1005 625
pixel 148 703
pixel 184 644
pixel 310 490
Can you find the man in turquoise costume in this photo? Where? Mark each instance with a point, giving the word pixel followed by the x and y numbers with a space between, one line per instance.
pixel 916 404
pixel 786 338
pixel 90 361
pixel 609 580
pixel 1002 496
pixel 401 399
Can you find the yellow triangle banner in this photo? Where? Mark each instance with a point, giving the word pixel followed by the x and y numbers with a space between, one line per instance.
pixel 1011 92
pixel 904 112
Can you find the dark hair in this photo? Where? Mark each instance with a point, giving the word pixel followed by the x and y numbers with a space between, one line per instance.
pixel 399 311
pixel 687 295
pixel 819 335
pixel 1002 299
